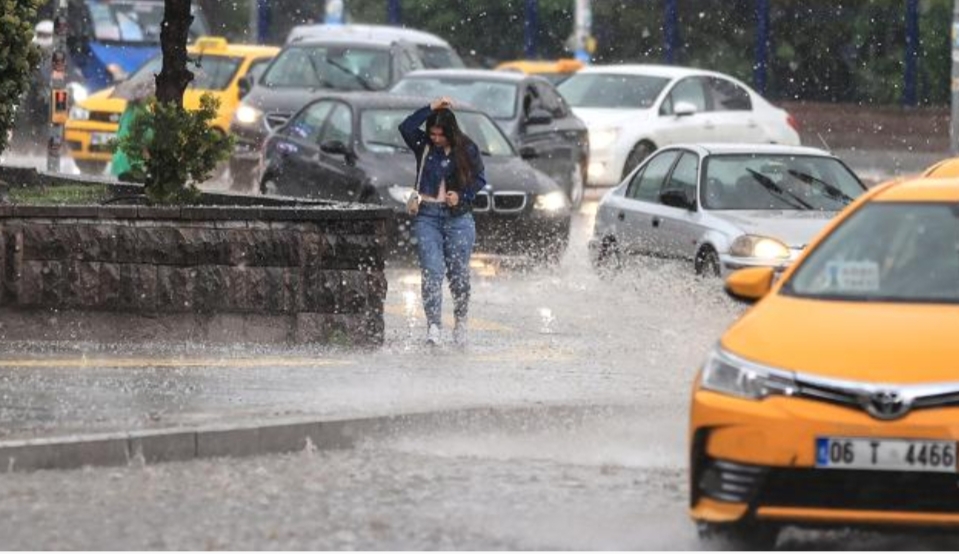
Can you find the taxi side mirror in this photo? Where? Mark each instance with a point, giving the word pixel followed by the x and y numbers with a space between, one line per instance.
pixel 751 284
pixel 243 86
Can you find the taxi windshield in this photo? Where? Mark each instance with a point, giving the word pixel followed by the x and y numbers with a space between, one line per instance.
pixel 886 251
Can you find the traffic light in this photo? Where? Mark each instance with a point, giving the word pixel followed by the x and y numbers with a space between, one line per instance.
pixel 60 106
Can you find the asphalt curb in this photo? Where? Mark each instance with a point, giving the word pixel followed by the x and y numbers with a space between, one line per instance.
pixel 277 436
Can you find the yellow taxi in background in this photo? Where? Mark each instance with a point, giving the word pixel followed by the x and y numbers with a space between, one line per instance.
pixel 92 124
pixel 556 71
pixel 835 399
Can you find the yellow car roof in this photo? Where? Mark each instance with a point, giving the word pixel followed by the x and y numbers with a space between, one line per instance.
pixel 565 65
pixel 219 46
pixel 920 189
pixel 946 168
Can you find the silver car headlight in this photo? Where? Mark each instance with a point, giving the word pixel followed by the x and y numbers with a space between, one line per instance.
pixel 728 374
pixel 248 115
pixel 755 246
pixel 400 193
pixel 79 114
pixel 551 201
pixel 601 139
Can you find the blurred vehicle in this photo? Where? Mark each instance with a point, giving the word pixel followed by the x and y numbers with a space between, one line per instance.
pixel 835 399
pixel 945 168
pixel 528 109
pixel 92 125
pixel 631 110
pixel 433 52
pixel 348 147
pixel 723 206
pixel 109 39
pixel 302 69
pixel 554 71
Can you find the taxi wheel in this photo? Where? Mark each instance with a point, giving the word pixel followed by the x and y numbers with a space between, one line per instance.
pixel 636 156
pixel 88 167
pixel 707 263
pixel 739 536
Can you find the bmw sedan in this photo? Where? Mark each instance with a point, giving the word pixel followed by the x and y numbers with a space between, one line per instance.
pixel 723 206
pixel 347 147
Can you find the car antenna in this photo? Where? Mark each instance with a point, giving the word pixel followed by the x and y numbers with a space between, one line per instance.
pixel 818 134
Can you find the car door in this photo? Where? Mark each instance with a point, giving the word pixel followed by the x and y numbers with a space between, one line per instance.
pixel 732 112
pixel 674 126
pixel 680 227
pixel 334 175
pixel 641 213
pixel 555 141
pixel 295 150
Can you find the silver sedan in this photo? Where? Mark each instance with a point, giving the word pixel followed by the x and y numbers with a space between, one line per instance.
pixel 723 206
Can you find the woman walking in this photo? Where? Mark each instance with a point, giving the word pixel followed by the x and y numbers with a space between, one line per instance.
pixel 449 174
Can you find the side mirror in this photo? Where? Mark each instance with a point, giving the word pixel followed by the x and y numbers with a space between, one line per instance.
pixel 334 147
pixel 244 85
pixel 539 117
pixel 528 152
pixel 676 198
pixel 682 109
pixel 751 284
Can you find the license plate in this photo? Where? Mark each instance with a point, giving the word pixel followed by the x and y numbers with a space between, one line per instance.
pixel 886 454
pixel 100 139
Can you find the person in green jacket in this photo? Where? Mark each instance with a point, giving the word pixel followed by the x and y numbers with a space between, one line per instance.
pixel 124 166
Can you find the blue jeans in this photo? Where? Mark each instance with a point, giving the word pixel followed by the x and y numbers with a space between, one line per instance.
pixel 444 242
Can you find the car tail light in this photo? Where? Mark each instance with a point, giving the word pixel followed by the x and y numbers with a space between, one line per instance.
pixel 792 122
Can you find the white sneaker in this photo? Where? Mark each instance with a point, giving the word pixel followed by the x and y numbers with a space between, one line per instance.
pixel 460 332
pixel 433 335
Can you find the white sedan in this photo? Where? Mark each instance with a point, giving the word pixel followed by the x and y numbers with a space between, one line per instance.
pixel 723 206
pixel 632 110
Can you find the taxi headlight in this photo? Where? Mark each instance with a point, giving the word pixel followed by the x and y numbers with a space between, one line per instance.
pixel 79 114
pixel 728 374
pixel 602 138
pixel 78 92
pixel 248 115
pixel 753 246
pixel 551 201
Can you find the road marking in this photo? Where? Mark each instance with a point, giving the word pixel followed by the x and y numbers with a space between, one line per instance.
pixel 121 363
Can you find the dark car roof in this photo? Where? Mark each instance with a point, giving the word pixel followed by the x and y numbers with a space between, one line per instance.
pixel 361 99
pixel 475 74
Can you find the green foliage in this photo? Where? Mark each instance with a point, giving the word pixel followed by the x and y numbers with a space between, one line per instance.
pixel 18 57
pixel 171 149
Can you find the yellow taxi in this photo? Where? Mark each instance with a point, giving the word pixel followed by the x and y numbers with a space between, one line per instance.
pixel 835 398
pixel 92 124
pixel 946 168
pixel 553 70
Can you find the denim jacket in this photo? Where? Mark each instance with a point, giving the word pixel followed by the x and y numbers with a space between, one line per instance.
pixel 439 165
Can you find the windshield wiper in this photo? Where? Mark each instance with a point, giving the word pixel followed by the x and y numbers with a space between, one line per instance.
pixel 783 194
pixel 831 190
pixel 359 78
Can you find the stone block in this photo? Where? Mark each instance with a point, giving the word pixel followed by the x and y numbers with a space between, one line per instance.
pixel 109 286
pixel 139 288
pixel 83 285
pixel 211 288
pixel 34 455
pixel 126 244
pixel 268 329
pixel 163 447
pixel 175 288
pixel 223 327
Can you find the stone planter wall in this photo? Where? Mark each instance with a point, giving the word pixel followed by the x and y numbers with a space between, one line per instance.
pixel 206 274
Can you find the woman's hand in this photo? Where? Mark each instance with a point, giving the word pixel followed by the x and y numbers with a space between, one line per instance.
pixel 442 103
pixel 452 199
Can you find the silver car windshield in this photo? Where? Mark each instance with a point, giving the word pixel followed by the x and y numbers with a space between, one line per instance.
pixel 777 182
pixel 495 98
pixel 596 90
pixel 335 67
pixel 886 251
pixel 379 132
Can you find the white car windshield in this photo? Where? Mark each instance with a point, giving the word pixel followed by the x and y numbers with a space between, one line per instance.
pixel 495 98
pixel 379 132
pixel 601 90
pixel 886 251
pixel 777 182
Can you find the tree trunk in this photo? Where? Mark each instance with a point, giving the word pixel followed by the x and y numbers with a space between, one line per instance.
pixel 174 77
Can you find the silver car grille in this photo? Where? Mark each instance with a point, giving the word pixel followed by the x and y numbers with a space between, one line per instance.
pixel 886 402
pixel 277 119
pixel 500 202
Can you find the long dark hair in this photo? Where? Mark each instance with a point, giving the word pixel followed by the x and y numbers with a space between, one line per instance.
pixel 459 144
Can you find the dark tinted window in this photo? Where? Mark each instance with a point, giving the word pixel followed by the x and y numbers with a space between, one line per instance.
pixel 308 123
pixel 550 100
pixel 684 176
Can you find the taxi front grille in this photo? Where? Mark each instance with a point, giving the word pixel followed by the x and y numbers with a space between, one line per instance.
pixel 861 490
pixel 105 117
pixel 730 481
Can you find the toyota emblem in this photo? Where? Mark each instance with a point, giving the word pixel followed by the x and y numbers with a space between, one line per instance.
pixel 886 404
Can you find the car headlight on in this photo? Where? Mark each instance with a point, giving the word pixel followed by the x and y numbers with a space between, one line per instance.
pixel 551 201
pixel 79 114
pixel 78 92
pixel 602 138
pixel 728 374
pixel 400 193
pixel 754 246
pixel 248 115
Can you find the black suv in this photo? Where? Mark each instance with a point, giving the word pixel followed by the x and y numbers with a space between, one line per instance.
pixel 298 72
